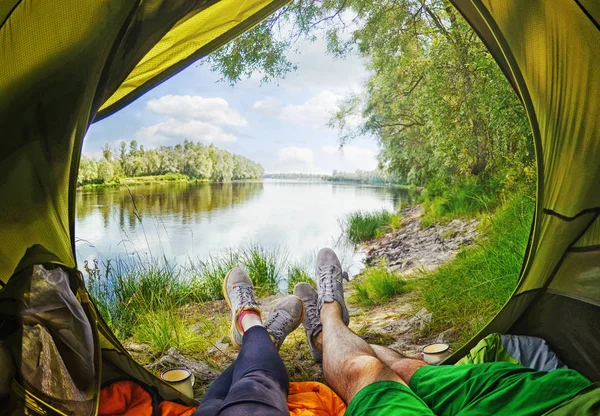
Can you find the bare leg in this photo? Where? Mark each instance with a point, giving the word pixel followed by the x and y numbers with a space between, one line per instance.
pixel 403 366
pixel 349 363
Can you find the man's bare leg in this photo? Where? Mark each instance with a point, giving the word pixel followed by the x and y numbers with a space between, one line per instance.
pixel 349 363
pixel 400 364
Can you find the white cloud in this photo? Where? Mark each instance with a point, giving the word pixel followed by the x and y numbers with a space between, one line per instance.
pixel 174 131
pixel 296 154
pixel 193 107
pixel 315 112
pixel 316 70
pixel 269 106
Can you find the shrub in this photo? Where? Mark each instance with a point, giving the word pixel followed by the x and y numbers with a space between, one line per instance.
pixel 297 274
pixel 363 226
pixel 376 285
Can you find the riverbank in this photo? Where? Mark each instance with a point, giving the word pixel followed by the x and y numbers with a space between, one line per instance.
pixel 156 179
pixel 447 280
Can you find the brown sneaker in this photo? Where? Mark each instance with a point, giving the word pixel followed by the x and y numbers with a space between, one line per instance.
pixel 286 315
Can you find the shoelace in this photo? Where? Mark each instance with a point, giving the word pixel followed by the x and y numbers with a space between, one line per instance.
pixel 327 278
pixel 245 296
pixel 275 324
pixel 311 314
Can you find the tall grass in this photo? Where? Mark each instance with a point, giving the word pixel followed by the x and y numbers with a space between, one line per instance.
pixel 441 201
pixel 123 291
pixel 376 285
pixel 139 298
pixel 362 226
pixel 265 266
pixel 296 274
pixel 466 293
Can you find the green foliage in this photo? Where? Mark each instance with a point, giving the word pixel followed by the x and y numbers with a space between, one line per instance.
pixel 208 274
pixel 375 177
pixel 264 266
pixel 296 274
pixel 163 329
pixel 363 226
pixel 375 285
pixel 396 221
pixel 435 99
pixel 168 163
pixel 124 291
pixel 465 293
pixel 443 200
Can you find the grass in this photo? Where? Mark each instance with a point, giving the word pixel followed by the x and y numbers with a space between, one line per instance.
pixel 377 285
pixel 265 267
pixel 140 298
pixel 466 199
pixel 163 329
pixel 467 292
pixel 362 226
pixel 123 291
pixel 296 274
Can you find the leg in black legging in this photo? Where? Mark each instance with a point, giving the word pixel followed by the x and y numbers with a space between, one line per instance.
pixel 213 399
pixel 260 382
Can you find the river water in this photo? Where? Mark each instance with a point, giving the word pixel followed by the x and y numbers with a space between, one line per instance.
pixel 183 221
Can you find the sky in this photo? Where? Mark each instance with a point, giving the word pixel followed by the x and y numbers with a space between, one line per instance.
pixel 282 125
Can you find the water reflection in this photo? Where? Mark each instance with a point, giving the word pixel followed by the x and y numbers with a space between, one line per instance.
pixel 183 220
pixel 179 201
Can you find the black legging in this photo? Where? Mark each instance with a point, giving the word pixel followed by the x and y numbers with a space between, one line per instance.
pixel 255 384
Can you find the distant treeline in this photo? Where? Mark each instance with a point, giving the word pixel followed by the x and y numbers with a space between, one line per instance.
pixel 359 176
pixel 193 160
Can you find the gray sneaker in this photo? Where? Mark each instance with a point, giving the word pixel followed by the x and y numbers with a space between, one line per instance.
pixel 286 315
pixel 312 323
pixel 330 281
pixel 239 294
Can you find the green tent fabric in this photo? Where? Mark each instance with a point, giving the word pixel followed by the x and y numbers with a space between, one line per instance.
pixel 67 63
pixel 549 51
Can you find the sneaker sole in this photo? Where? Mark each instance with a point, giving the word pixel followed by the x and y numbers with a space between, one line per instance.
pixel 232 330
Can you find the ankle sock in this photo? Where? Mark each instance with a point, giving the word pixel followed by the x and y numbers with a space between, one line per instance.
pixel 244 313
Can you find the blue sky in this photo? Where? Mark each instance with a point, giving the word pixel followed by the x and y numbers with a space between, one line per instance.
pixel 282 125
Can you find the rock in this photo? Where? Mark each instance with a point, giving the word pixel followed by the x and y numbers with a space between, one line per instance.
pixel 413 247
pixel 136 347
pixel 446 336
pixel 174 358
pixel 219 347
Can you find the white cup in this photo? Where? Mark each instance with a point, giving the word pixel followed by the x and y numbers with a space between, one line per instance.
pixel 435 353
pixel 181 379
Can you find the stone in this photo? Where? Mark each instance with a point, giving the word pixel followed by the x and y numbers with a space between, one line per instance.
pixel 220 347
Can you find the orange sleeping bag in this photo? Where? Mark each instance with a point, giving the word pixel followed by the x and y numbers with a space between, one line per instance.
pixel 127 398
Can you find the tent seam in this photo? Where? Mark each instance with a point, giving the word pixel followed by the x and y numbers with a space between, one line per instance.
pixel 587 14
pixel 584 249
pixel 184 63
pixel 17 4
pixel 567 218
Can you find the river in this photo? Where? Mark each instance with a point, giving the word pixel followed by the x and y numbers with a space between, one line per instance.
pixel 182 221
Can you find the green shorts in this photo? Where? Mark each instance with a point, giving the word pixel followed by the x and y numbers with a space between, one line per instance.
pixel 470 389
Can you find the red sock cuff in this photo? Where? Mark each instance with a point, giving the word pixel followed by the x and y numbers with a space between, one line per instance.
pixel 244 313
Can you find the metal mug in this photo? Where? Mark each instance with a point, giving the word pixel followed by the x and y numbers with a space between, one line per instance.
pixel 435 353
pixel 181 379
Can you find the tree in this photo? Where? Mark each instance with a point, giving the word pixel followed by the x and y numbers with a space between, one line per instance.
pixel 192 159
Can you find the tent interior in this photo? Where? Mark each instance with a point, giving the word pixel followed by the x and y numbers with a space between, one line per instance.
pixel 66 64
